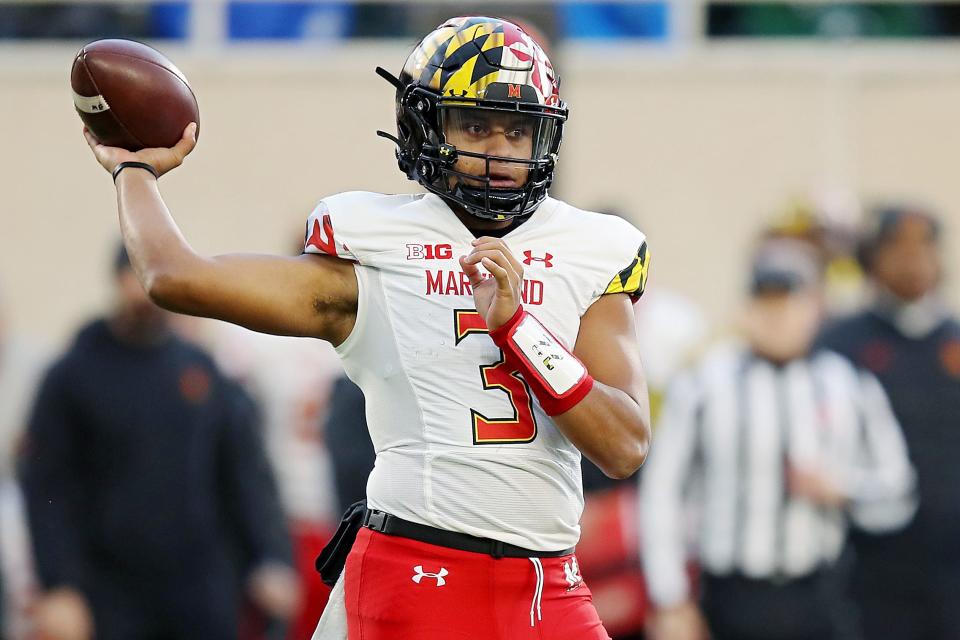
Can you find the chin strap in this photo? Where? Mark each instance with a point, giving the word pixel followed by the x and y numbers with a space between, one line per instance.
pixel 557 378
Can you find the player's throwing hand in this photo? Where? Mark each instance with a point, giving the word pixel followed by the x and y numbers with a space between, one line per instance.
pixel 497 298
pixel 162 160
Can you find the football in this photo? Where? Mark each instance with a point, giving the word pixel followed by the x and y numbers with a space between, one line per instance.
pixel 130 95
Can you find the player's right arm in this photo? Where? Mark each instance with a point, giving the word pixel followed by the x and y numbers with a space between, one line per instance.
pixel 309 295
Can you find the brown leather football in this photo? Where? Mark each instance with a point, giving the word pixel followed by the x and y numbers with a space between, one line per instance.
pixel 130 95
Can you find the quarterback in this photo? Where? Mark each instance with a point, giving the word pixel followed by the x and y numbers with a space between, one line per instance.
pixel 489 325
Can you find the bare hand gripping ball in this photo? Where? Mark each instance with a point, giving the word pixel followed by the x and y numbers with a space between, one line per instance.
pixel 131 96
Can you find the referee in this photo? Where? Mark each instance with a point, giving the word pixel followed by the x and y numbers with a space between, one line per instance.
pixel 770 447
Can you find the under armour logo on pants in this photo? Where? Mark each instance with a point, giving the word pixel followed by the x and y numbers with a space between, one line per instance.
pixel 421 574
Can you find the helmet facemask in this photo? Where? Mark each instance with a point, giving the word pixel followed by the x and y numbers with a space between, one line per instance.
pixel 496 163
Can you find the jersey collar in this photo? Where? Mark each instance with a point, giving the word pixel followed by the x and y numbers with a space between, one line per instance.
pixel 542 213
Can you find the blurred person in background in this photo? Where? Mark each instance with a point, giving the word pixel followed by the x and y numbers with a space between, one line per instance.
pixel 72 20
pixel 348 440
pixel 291 381
pixel 150 501
pixel 908 583
pixel 670 327
pixel 771 446
pixel 828 221
pixel 21 366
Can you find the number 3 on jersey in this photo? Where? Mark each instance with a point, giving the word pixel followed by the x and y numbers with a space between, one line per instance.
pixel 522 427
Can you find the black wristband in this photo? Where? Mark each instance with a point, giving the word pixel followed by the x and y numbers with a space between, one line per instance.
pixel 136 165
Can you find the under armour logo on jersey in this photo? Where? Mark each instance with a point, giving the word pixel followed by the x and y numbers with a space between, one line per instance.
pixel 571 571
pixel 530 258
pixel 421 574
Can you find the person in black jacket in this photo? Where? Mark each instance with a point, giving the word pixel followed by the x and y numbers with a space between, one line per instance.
pixel 149 496
pixel 348 441
pixel 908 583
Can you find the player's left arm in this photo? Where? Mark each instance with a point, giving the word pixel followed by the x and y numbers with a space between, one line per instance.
pixel 597 399
pixel 611 425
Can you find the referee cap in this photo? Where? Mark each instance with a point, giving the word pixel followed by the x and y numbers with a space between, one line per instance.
pixel 784 266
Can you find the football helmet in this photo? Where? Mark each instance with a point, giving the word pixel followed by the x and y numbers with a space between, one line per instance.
pixel 478 76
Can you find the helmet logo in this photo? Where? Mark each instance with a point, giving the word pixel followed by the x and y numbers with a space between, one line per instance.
pixel 513 91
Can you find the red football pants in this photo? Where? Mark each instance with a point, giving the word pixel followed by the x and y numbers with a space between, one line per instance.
pixel 401 588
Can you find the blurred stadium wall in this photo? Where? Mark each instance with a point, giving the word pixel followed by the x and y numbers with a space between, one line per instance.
pixel 698 140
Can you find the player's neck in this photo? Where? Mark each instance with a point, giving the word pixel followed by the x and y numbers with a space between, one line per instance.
pixel 479 226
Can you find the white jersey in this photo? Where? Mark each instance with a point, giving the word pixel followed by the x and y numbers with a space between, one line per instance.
pixel 461 442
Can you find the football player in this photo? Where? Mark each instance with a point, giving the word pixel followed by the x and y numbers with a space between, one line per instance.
pixel 489 325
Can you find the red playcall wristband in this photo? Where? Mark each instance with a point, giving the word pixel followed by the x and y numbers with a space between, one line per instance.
pixel 557 378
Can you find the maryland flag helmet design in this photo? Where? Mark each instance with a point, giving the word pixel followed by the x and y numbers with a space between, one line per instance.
pixel 484 76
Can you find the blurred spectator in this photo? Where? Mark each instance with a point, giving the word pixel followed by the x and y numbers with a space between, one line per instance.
pixel 669 329
pixel 59 20
pixel 348 440
pixel 20 369
pixel 291 379
pixel 771 445
pixel 908 583
pixel 149 496
pixel 828 221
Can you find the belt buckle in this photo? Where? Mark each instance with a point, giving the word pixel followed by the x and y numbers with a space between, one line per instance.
pixel 376 520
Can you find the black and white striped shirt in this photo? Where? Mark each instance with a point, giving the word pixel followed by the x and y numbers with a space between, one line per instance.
pixel 730 430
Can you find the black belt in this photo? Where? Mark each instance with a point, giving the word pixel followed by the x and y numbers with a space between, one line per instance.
pixel 394 526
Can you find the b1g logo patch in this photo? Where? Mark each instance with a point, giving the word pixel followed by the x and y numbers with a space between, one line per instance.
pixel 429 251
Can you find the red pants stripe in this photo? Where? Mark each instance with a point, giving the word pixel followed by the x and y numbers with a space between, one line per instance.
pixel 401 588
